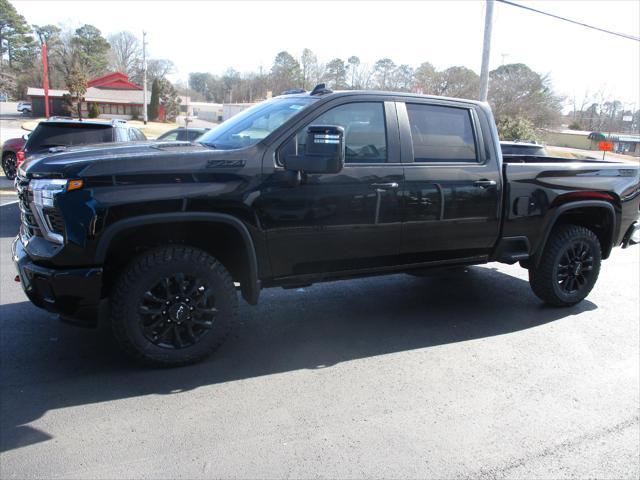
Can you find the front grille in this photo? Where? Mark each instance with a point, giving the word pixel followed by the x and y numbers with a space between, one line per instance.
pixel 55 221
pixel 25 197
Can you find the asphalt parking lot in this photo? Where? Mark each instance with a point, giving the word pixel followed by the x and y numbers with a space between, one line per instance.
pixel 460 376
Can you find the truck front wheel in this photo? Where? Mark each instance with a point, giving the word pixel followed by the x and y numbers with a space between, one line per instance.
pixel 569 266
pixel 173 306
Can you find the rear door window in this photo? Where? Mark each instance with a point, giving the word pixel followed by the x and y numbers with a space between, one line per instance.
pixel 172 137
pixel 135 135
pixel 139 134
pixel 441 134
pixel 193 134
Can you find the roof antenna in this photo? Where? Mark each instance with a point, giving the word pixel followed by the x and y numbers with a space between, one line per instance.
pixel 320 89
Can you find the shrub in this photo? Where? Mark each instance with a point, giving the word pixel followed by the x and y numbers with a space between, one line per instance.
pixel 94 111
pixel 516 128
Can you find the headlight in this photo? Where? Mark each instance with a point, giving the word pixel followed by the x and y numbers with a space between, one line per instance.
pixel 44 191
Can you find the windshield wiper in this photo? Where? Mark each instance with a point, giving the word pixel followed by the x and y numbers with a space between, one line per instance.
pixel 206 144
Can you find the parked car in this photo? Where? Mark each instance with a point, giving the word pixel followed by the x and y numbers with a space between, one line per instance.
pixel 10 151
pixel 58 133
pixel 3 97
pixel 523 148
pixel 24 107
pixel 304 188
pixel 182 134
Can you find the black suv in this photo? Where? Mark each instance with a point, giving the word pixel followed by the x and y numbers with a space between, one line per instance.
pixel 66 132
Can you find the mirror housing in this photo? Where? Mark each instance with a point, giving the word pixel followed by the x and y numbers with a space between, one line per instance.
pixel 324 151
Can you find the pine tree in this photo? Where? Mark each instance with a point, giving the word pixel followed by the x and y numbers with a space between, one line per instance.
pixel 154 105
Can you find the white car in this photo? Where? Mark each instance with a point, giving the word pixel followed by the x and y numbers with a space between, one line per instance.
pixel 24 107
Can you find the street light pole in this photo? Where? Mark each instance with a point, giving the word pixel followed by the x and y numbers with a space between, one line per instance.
pixel 144 77
pixel 486 52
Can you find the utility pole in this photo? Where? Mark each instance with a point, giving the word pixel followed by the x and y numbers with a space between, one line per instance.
pixel 486 52
pixel 45 79
pixel 144 77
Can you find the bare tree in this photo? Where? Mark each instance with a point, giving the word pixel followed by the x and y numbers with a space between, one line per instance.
pixel 308 69
pixel 126 53
pixel 353 62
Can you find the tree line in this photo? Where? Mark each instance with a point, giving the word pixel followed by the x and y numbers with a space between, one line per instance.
pixel 596 112
pixel 74 57
pixel 523 101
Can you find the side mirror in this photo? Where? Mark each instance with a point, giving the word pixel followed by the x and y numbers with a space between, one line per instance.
pixel 324 151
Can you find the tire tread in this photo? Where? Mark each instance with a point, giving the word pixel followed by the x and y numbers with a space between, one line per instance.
pixel 541 278
pixel 140 265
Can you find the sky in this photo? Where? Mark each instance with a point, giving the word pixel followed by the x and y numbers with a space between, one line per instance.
pixel 211 36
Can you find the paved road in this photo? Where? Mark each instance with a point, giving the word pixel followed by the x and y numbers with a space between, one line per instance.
pixel 464 376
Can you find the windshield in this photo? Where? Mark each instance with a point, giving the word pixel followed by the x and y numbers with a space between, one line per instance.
pixel 48 135
pixel 254 124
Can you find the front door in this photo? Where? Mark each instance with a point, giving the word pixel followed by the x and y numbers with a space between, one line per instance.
pixel 344 221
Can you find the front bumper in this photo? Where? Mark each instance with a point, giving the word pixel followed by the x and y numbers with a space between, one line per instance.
pixel 632 235
pixel 73 293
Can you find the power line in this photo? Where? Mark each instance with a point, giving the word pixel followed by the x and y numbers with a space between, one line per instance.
pixel 623 35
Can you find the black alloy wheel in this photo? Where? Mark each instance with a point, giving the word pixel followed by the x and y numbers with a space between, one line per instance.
pixel 9 165
pixel 575 267
pixel 177 311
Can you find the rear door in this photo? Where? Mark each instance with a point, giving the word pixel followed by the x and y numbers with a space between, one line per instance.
pixel 344 221
pixel 451 194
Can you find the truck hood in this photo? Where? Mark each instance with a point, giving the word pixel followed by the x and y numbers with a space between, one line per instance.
pixel 122 158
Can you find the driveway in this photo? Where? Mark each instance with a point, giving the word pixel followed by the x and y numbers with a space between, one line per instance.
pixel 456 376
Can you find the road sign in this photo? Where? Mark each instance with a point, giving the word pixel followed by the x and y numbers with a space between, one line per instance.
pixel 605 146
pixel 627 118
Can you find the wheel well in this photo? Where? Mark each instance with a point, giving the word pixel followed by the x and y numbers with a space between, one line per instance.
pixel 597 219
pixel 221 240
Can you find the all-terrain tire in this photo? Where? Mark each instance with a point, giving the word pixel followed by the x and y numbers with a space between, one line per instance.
pixel 569 266
pixel 139 296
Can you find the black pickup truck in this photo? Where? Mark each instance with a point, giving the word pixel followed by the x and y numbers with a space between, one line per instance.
pixel 306 187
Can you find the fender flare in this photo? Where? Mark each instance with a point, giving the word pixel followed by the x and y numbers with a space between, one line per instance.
pixel 250 292
pixel 566 207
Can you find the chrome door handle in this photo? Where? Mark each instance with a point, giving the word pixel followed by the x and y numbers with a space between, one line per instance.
pixel 385 185
pixel 484 183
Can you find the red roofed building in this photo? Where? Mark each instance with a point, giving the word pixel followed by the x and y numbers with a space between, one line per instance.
pixel 113 81
pixel 114 94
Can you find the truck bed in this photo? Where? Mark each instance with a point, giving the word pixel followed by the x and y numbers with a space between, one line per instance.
pixel 538 185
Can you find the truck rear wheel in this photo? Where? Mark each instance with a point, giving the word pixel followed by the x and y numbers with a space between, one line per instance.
pixel 569 266
pixel 173 306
